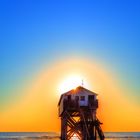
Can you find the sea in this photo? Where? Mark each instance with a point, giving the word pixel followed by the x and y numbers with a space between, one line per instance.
pixel 56 136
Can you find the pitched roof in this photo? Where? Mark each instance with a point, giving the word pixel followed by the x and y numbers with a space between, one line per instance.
pixel 78 90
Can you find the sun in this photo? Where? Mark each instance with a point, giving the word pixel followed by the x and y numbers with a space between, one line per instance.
pixel 71 82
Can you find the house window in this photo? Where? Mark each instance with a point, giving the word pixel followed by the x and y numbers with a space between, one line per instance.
pixel 82 98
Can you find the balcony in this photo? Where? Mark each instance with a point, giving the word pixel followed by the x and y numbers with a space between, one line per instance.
pixel 74 104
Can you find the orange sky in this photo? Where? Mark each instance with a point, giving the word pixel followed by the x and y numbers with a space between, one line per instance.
pixel 36 108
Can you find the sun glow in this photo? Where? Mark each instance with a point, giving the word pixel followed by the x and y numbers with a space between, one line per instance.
pixel 74 137
pixel 41 97
pixel 71 82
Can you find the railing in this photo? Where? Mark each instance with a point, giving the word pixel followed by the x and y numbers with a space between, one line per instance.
pixel 93 104
pixel 70 104
pixel 74 104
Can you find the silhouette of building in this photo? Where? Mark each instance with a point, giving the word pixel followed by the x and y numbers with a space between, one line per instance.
pixel 77 109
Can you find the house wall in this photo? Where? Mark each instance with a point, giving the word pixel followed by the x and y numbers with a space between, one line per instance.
pixel 73 97
pixel 61 106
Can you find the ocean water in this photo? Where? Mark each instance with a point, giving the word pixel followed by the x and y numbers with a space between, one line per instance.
pixel 56 136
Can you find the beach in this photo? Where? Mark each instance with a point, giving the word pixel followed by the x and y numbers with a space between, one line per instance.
pixel 56 136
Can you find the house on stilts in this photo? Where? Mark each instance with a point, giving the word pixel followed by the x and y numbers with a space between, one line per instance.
pixel 77 110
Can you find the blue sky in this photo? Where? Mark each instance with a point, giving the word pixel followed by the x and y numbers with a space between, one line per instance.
pixel 37 33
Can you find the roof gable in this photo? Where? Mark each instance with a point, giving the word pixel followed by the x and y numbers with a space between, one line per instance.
pixel 77 91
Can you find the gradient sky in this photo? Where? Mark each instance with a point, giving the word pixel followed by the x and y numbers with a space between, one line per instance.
pixel 40 35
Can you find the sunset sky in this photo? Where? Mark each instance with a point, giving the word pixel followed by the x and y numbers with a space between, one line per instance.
pixel 47 46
